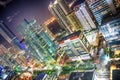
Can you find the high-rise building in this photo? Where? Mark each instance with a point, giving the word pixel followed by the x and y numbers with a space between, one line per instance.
pixel 75 46
pixel 5 56
pixel 2 49
pixel 85 16
pixel 74 21
pixel 9 35
pixel 64 6
pixel 111 32
pixel 116 3
pixel 37 41
pixel 4 42
pixel 92 37
pixel 101 8
pixel 60 10
pixel 53 29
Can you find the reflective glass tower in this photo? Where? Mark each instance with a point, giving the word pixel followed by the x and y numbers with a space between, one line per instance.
pixel 5 57
pixel 37 41
pixel 101 8
pixel 111 33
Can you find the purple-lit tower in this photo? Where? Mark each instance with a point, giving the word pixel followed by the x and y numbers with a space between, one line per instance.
pixel 9 36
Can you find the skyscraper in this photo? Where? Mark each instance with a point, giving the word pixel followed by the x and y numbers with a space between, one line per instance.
pixel 37 41
pixel 101 8
pixel 75 46
pixel 74 21
pixel 9 35
pixel 59 11
pixel 53 29
pixel 64 6
pixel 85 16
pixel 4 42
pixel 111 32
pixel 5 56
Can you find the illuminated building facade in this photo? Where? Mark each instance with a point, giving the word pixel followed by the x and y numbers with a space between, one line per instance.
pixel 101 8
pixel 4 42
pixel 9 36
pixel 75 46
pixel 5 57
pixel 37 41
pixel 85 17
pixel 116 3
pixel 53 29
pixel 59 11
pixel 92 37
pixel 74 21
pixel 64 6
pixel 111 33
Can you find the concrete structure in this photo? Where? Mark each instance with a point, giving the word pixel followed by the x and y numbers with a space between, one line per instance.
pixel 74 21
pixel 85 16
pixel 75 46
pixel 64 6
pixel 59 9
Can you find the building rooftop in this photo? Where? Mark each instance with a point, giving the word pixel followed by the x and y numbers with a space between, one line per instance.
pixel 71 35
pixel 110 18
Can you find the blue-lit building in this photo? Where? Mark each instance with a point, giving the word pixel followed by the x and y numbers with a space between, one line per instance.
pixel 37 41
pixel 101 8
pixel 111 32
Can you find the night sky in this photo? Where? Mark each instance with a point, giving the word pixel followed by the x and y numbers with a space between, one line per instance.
pixel 16 10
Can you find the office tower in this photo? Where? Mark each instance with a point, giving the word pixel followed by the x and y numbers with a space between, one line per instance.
pixel 64 6
pixel 5 56
pixel 111 32
pixel 9 35
pixel 2 49
pixel 37 41
pixel 74 21
pixel 75 46
pixel 101 8
pixel 53 29
pixel 57 10
pixel 85 16
pixel 4 42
